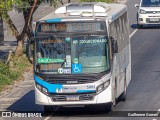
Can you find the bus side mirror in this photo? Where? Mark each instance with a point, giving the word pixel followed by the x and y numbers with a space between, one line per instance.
pixel 114 46
pixel 30 50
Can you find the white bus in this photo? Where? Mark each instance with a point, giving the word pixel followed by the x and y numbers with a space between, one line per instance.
pixel 82 55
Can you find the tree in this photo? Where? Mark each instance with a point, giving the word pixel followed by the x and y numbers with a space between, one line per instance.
pixel 27 7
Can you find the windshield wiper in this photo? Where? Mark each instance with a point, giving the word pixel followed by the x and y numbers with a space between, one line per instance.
pixel 63 62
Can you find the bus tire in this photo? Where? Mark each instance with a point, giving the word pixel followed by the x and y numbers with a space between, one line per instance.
pixel 48 109
pixel 112 104
pixel 109 106
pixel 124 94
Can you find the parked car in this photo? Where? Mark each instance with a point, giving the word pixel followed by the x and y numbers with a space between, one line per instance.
pixel 148 12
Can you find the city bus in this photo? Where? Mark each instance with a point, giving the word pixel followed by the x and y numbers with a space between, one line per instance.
pixel 81 56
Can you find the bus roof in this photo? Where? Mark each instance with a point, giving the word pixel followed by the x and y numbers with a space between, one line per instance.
pixel 89 11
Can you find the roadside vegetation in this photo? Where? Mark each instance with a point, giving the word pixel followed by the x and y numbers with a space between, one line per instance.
pixel 13 71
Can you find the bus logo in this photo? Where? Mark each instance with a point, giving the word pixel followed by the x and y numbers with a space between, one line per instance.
pixel 60 70
pixel 59 91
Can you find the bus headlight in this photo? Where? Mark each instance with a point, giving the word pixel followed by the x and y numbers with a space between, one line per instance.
pixel 42 89
pixel 100 88
pixel 106 84
pixel 39 87
pixel 103 86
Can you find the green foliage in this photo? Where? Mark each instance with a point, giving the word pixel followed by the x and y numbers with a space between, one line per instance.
pixel 4 6
pixel 5 75
pixel 54 3
pixel 4 69
pixel 107 1
pixel 4 80
pixel 9 73
pixel 19 64
pixel 21 4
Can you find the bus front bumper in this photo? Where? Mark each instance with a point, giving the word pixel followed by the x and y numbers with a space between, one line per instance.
pixel 103 97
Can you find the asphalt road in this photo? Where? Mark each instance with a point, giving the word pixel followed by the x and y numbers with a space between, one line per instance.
pixel 143 91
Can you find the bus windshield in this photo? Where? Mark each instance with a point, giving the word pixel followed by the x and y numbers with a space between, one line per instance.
pixel 150 3
pixel 72 55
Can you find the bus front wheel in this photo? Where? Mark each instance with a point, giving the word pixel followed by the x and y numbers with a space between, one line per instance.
pixel 124 94
pixel 111 105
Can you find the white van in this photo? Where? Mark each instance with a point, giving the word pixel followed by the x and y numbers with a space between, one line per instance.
pixel 148 13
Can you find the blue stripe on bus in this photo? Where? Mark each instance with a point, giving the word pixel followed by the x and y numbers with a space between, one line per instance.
pixel 54 20
pixel 51 87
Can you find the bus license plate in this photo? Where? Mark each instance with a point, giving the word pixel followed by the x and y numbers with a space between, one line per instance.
pixel 154 19
pixel 72 98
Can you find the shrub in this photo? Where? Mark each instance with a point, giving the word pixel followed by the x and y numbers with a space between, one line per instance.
pixel 13 71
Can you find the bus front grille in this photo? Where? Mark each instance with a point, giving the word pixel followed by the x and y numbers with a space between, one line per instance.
pixel 81 97
pixel 71 80
pixel 76 81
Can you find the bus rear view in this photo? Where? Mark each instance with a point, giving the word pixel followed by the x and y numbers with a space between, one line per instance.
pixel 75 57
